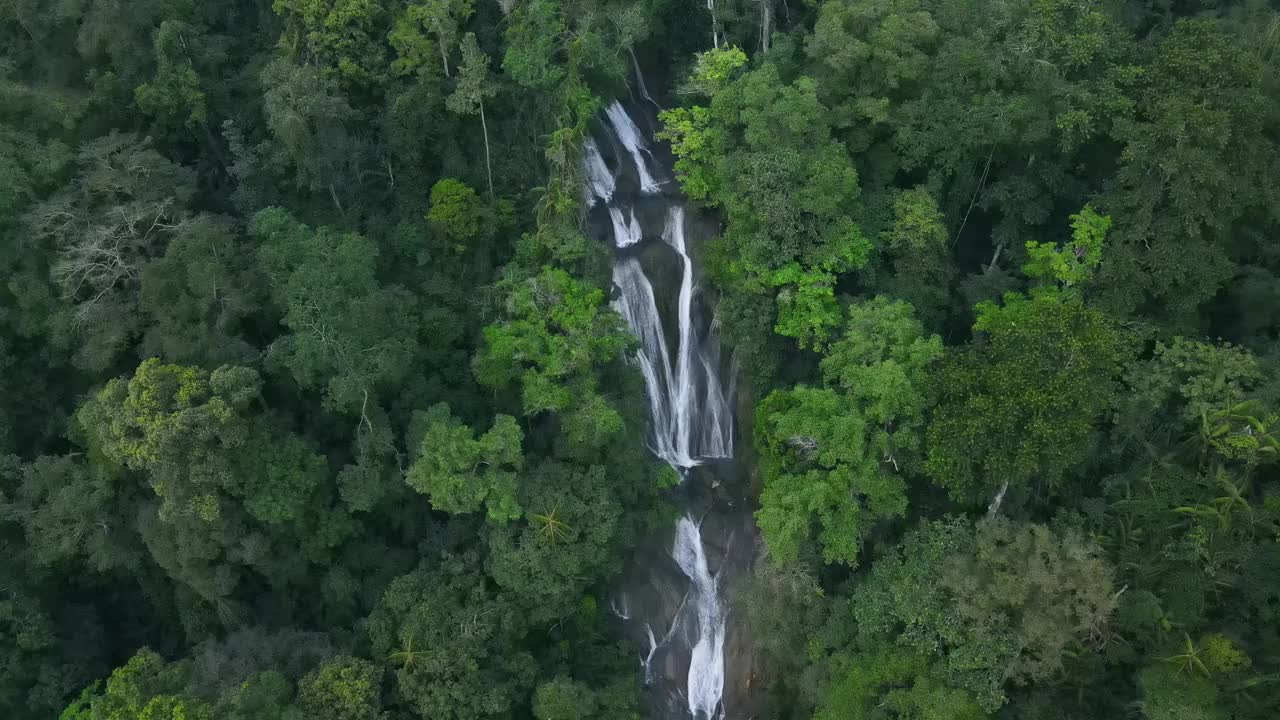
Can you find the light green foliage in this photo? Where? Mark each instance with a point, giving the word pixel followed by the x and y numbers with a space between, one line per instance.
pixel 893 683
pixel 694 138
pixel 1222 656
pixel 807 307
pixel 168 421
pixel 174 97
pixel 818 467
pixel 453 645
pixel 344 688
pixel 556 332
pixel 1074 264
pixel 145 688
pixel 455 209
pixel 714 68
pixel 916 244
pixel 349 335
pixel 461 472
pixel 342 36
pixel 882 363
pixel 1019 406
pixel 563 699
pixel 835 455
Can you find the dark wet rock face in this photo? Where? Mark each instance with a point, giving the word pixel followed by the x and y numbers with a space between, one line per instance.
pixel 677 598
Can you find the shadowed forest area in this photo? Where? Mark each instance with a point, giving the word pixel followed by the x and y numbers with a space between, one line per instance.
pixel 315 403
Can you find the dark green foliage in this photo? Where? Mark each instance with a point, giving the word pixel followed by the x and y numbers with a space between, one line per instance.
pixel 313 404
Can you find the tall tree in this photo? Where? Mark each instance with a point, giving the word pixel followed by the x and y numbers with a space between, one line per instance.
pixel 474 85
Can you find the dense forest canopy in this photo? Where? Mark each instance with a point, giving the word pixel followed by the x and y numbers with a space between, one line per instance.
pixel 313 403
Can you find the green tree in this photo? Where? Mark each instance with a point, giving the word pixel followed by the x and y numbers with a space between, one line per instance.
pixel 123 207
pixel 200 297
pixel 349 335
pixel 1019 405
pixel 174 96
pixel 1195 160
pixel 460 472
pixel 474 85
pixel 836 454
pixel 310 121
pixel 444 19
pixel 344 688
pixel 916 245
pixel 453 644
pixel 555 334
pixel 342 36
pixel 567 540
pixel 976 610
pixel 145 687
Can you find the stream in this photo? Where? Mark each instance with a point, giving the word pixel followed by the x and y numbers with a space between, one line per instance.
pixel 677 595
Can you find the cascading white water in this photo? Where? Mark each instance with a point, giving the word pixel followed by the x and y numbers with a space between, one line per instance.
pixel 630 137
pixel 625 232
pixel 600 183
pixel 689 408
pixel 706 660
pixel 644 89
pixel 639 308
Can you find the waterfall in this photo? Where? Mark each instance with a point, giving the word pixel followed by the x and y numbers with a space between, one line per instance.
pixel 706 661
pixel 625 232
pixel 600 183
pixel 629 135
pixel 644 90
pixel 689 408
pixel 683 401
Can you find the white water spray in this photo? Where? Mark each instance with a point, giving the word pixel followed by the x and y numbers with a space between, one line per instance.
pixel 626 232
pixel 600 183
pixel 706 661
pixel 630 137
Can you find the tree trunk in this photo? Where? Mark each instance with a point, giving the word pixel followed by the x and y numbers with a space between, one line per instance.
pixel 488 169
